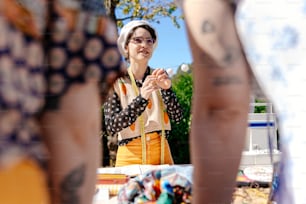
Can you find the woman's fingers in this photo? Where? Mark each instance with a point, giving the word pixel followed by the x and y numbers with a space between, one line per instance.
pixel 147 91
pixel 158 79
pixel 162 77
pixel 150 80
pixel 159 71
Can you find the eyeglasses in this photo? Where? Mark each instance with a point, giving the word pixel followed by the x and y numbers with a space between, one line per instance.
pixel 140 40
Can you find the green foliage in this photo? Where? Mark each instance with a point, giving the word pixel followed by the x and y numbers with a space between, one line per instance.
pixel 179 138
pixel 151 10
pixel 260 109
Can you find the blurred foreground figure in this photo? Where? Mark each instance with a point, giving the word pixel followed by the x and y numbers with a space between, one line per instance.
pixel 272 35
pixel 57 59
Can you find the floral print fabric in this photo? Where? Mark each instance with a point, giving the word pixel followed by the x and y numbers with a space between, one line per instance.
pixel 162 186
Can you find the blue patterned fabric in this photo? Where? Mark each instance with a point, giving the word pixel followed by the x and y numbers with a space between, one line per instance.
pixel 80 55
pixel 94 6
pixel 22 88
pixel 273 34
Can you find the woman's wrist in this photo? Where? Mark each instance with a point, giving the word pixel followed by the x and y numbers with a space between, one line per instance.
pixel 141 100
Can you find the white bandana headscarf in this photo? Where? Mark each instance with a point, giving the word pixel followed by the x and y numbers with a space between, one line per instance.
pixel 121 42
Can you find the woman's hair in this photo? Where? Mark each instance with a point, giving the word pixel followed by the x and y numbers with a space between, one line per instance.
pixel 147 27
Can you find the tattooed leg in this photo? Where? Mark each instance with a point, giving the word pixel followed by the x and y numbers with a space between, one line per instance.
pixel 72 136
pixel 217 38
pixel 220 102
pixel 71 185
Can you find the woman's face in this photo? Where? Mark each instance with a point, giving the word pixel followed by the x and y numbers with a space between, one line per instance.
pixel 140 46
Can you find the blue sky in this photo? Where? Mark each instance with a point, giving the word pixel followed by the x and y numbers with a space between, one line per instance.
pixel 173 49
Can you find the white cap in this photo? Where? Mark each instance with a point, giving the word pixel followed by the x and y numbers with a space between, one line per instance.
pixel 125 32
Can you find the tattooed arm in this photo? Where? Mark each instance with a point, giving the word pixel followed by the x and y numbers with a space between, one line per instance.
pixel 221 99
pixel 72 136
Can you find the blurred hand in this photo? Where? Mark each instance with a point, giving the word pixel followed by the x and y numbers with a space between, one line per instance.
pixel 148 86
pixel 162 79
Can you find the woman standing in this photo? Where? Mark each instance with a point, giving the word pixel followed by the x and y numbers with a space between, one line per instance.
pixel 142 102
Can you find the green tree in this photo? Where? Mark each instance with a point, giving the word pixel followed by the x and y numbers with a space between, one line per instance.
pixel 182 85
pixel 151 10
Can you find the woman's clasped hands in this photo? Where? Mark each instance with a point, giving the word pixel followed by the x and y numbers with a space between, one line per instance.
pixel 159 79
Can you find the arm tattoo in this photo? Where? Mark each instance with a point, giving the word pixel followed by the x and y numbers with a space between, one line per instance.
pixel 230 56
pixel 230 53
pixel 228 80
pixel 208 27
pixel 70 185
